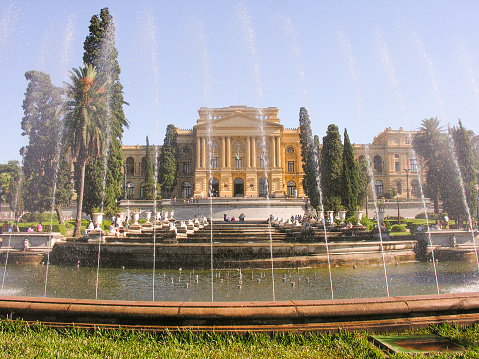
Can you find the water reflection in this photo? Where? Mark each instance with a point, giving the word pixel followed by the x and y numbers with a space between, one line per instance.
pixel 248 285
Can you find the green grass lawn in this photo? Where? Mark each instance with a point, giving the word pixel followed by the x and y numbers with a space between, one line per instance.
pixel 21 340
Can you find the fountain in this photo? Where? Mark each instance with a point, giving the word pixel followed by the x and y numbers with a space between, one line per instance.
pixel 191 255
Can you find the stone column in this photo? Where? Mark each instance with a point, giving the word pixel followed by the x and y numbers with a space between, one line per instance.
pixel 223 152
pixel 273 152
pixel 248 152
pixel 228 152
pixel 278 152
pixel 254 150
pixel 198 152
pixel 203 152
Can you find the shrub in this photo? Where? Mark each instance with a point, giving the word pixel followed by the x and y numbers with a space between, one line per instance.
pixel 55 228
pixel 399 228
pixel 366 222
pixel 307 232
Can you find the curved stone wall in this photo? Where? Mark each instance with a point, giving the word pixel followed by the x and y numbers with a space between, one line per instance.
pixel 372 314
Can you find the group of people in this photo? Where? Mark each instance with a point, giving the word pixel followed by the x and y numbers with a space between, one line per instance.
pixel 298 218
pixel 232 219
pixel 7 227
pixel 31 229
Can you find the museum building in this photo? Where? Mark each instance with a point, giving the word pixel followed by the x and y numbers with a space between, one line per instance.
pixel 241 151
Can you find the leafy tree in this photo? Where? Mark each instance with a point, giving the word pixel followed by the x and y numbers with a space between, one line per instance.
pixel 43 163
pixel 310 155
pixel 349 183
pixel 461 178
pixel 331 168
pixel 430 144
pixel 10 186
pixel 168 162
pixel 149 184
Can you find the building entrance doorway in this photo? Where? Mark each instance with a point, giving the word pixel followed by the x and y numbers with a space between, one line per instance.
pixel 214 187
pixel 238 187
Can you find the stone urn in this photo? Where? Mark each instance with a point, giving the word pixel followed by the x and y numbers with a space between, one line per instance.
pixel 342 215
pixel 172 213
pixel 330 217
pixel 320 215
pixel 380 217
pixel 147 216
pixel 135 215
pixel 358 215
pixel 97 219
pixel 182 227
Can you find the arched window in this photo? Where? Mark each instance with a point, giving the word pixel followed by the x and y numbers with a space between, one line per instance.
pixel 378 164
pixel 378 187
pixel 415 189
pixel 130 166
pixel 130 190
pixel 291 189
pixel 263 187
pixel 214 187
pixel 398 187
pixel 186 190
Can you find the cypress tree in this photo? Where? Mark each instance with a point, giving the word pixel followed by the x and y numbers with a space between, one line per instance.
pixel 331 168
pixel 310 155
pixel 363 180
pixel 168 162
pixel 149 185
pixel 100 51
pixel 350 186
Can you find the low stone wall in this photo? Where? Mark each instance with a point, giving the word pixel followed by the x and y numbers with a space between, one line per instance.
pixel 366 314
pixel 36 240
pixel 253 208
pixel 226 255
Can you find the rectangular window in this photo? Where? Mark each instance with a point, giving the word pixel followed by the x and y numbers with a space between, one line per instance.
pixel 396 167
pixel 406 140
pixel 186 168
pixel 290 166
pixel 413 163
pixel 214 162
pixel 238 162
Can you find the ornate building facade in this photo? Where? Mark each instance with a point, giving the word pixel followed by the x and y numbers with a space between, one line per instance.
pixel 242 151
pixel 234 151
pixel 395 166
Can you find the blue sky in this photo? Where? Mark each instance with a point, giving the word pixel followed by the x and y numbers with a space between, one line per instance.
pixel 362 65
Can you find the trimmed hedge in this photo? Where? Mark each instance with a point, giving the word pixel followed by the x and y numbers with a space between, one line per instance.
pixel 399 228
pixel 38 217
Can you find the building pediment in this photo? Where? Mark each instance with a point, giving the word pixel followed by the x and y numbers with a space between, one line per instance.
pixel 236 123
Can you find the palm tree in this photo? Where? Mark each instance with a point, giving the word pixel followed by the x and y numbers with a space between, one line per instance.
pixel 429 143
pixel 87 122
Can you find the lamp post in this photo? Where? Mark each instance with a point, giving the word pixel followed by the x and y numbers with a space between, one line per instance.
pixel 124 180
pixel 407 180
pixel 399 220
